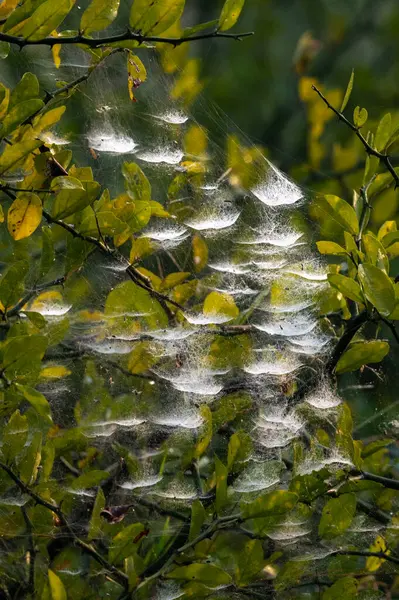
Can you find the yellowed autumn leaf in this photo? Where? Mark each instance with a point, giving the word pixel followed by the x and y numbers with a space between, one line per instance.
pixel 137 74
pixel 200 253
pixel 54 372
pixel 24 215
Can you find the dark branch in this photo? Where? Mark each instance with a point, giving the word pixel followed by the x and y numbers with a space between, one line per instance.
pixel 118 575
pixel 352 328
pixel 128 35
pixel 385 158
pixel 367 554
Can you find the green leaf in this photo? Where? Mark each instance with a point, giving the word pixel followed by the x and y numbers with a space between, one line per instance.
pixel 250 562
pixel 337 516
pixel 189 31
pixel 360 116
pixel 22 357
pixel 230 13
pixel 26 89
pixel 221 473
pixel 37 400
pixel 136 183
pixel 30 458
pixel 341 212
pixel 124 544
pixel 330 248
pixel 12 283
pixel 89 480
pixel 4 49
pixel 128 297
pixel 290 574
pixel 348 91
pixel 56 586
pixel 14 436
pixel 383 132
pixel 48 254
pixel 135 213
pixel 360 354
pixel 98 15
pixel 375 252
pixel 274 503
pixel 47 17
pixel 377 287
pixel 143 356
pixel 206 433
pixel 229 407
pixel 105 223
pixel 343 589
pixel 209 575
pixel 19 114
pixel 198 516
pixel 347 286
pixel 14 153
pixel 155 16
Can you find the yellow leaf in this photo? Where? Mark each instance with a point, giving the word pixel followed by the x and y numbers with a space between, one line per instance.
pixel 220 304
pixel 55 372
pixel 1 214
pixel 7 7
pixel 137 74
pixel 373 563
pixel 57 587
pixel 200 253
pixel 24 215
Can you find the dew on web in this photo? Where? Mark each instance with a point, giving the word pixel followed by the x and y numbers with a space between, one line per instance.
pixel 276 189
pixel 161 155
pixel 110 142
pixel 258 477
pixel 323 398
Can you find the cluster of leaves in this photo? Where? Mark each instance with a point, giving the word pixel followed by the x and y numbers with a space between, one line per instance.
pixel 58 546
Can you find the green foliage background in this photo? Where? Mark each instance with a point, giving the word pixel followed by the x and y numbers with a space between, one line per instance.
pixel 74 519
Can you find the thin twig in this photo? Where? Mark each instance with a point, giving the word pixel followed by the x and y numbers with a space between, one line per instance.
pixel 385 158
pixel 366 554
pixel 32 552
pixel 118 575
pixel 32 293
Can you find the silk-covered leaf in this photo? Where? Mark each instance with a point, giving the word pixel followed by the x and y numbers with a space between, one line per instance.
pixel 24 215
pixel 125 543
pixel 221 473
pixel 208 574
pixel 136 183
pixel 200 253
pixel 337 516
pixel 219 304
pixel 37 400
pixel 128 298
pixel 273 503
pixel 198 516
pixel 250 562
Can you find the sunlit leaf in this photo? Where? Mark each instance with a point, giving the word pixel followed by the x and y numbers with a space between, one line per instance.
pixel 155 16
pixel 230 13
pixel 348 91
pixel 98 15
pixel 24 215
pixel 347 286
pixel 337 516
pixel 360 116
pixel 124 544
pixel 377 287
pixel 57 588
pixel 47 17
pixel 362 353
pixel 274 503
pixel 37 400
pixel 383 132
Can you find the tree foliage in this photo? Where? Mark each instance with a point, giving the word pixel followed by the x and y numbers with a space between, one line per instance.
pixel 64 532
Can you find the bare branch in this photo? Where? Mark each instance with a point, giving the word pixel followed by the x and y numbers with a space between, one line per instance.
pixel 128 35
